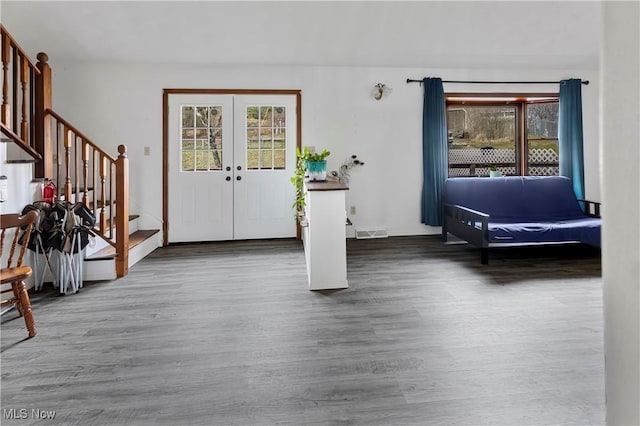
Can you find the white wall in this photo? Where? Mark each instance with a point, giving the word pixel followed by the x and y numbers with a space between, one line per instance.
pixel 21 189
pixel 122 104
pixel 621 218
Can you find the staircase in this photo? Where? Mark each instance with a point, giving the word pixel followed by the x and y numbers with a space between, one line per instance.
pixel 100 257
pixel 81 170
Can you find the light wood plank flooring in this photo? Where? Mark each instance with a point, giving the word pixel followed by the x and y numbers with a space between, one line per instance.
pixel 228 334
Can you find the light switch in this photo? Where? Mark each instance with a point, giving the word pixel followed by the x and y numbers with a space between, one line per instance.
pixel 147 150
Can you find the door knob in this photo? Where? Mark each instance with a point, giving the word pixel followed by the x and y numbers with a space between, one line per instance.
pixel 228 168
pixel 228 178
pixel 238 177
pixel 239 167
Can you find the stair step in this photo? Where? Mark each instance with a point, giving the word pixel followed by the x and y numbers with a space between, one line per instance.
pixel 106 253
pixel 136 238
pixel 141 235
pixel 19 149
pixel 107 203
pixel 131 217
pixel 21 161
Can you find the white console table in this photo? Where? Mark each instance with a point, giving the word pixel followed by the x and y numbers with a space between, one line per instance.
pixel 324 235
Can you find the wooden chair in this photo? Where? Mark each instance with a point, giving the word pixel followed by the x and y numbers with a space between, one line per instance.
pixel 15 275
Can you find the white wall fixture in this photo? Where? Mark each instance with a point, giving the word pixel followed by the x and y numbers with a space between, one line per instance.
pixel 4 189
pixel 380 90
pixel 343 173
pixel 362 234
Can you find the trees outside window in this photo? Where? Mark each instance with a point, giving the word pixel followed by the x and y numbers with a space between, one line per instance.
pixel 516 134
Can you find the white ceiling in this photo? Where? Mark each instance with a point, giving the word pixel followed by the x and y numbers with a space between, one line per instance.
pixel 422 34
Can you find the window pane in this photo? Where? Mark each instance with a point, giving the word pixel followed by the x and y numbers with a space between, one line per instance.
pixel 201 138
pixel 187 134
pixel 252 159
pixel 202 160
pixel 542 133
pixel 202 116
pixel 265 137
pixel 279 116
pixel 265 116
pixel 187 116
pixel 187 160
pixel 202 144
pixel 252 116
pixel 279 159
pixel 542 120
pixel 481 136
pixel 215 160
pixel 252 140
pixel 215 140
pixel 215 116
pixel 266 159
pixel 279 138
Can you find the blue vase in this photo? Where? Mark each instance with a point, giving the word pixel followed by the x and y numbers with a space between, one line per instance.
pixel 317 170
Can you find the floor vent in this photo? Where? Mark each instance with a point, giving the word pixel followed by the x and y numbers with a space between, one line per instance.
pixel 363 234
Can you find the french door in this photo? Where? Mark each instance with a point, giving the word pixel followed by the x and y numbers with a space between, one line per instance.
pixel 230 160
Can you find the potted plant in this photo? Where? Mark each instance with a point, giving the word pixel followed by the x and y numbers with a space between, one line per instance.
pixel 493 171
pixel 313 163
pixel 316 164
pixel 298 182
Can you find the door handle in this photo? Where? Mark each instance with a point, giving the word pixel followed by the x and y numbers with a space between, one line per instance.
pixel 238 177
pixel 228 178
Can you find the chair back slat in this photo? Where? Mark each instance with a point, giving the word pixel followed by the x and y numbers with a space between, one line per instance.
pixel 16 221
pixel 16 275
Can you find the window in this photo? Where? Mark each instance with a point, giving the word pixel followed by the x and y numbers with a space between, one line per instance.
pixel 201 138
pixel 266 137
pixel 516 133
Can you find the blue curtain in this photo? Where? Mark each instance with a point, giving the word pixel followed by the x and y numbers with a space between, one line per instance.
pixel 570 134
pixel 434 150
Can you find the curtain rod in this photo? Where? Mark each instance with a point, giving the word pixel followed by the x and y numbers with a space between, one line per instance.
pixel 409 80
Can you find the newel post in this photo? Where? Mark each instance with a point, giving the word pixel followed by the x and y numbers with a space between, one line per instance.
pixel 41 127
pixel 122 212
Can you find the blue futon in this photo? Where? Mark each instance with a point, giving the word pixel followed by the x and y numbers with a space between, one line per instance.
pixel 517 210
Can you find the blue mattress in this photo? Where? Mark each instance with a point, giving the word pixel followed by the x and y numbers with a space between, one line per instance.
pixel 586 230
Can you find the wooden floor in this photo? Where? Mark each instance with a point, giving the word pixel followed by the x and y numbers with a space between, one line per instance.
pixel 228 334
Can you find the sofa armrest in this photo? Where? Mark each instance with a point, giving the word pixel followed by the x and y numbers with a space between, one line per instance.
pixel 591 208
pixel 467 212
pixel 468 224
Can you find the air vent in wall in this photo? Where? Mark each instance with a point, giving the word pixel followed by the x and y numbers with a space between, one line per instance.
pixel 362 234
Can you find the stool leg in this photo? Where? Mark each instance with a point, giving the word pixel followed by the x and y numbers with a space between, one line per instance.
pixel 24 305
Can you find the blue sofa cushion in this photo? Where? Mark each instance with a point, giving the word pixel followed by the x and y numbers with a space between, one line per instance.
pixel 586 230
pixel 516 199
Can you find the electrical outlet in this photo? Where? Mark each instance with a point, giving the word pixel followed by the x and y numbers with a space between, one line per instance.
pixel 353 210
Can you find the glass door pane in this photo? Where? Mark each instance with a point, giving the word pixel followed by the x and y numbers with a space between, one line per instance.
pixel 266 137
pixel 201 143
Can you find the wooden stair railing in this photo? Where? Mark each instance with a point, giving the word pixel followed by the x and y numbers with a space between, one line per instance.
pixel 19 99
pixel 85 172
pixel 81 170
